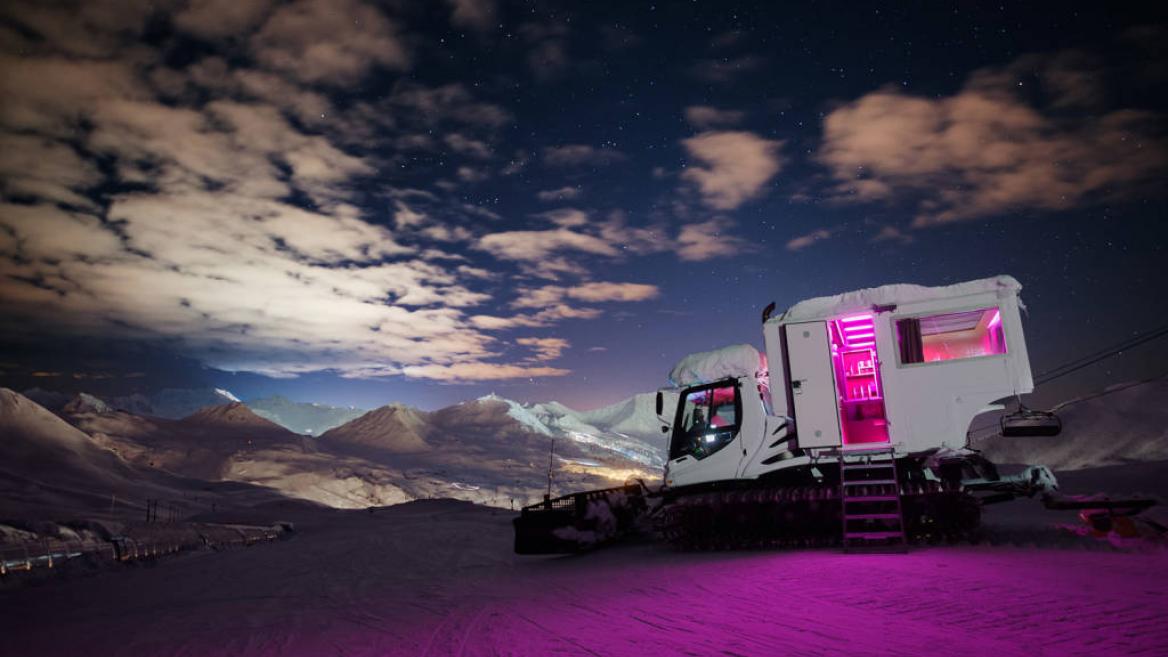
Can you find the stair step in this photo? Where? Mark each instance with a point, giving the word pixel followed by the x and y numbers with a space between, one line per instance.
pixel 873 536
pixel 867 466
pixel 871 498
pixel 871 482
pixel 872 516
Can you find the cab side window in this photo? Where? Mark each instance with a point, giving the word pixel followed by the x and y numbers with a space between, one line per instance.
pixel 707 420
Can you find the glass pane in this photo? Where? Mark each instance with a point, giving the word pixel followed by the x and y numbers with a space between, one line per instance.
pixel 708 422
pixel 951 336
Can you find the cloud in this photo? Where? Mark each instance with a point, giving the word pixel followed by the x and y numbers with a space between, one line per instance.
pixel 462 144
pixel 450 102
pixel 576 155
pixel 987 150
pixel 226 228
pixel 545 348
pixel 216 19
pixel 892 234
pixel 725 69
pixel 548 57
pixel 38 167
pixel 593 292
pixel 534 245
pixel 476 15
pixel 734 166
pixel 332 42
pixel 704 116
pixel 803 241
pixel 405 217
pixel 710 239
pixel 466 372
pixel 561 194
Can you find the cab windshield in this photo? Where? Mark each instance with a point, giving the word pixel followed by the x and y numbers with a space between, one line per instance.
pixel 707 420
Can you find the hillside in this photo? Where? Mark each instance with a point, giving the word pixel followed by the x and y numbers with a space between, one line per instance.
pixel 394 429
pixel 1124 424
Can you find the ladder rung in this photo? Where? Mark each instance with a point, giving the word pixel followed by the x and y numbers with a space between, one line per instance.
pixel 872 516
pixel 875 498
pixel 867 466
pixel 873 536
pixel 871 482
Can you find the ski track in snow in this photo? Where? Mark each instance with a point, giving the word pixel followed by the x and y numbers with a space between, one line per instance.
pixel 438 579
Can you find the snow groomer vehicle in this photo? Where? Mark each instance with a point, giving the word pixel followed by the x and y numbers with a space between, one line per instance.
pixel 850 428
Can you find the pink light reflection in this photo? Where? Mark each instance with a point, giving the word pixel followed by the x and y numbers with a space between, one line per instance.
pixel 995 320
pixel 856 318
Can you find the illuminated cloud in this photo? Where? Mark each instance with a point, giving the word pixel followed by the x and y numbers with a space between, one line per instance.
pixel 473 14
pixel 704 117
pixel 593 292
pixel 710 239
pixel 803 241
pixel 545 348
pixel 461 372
pixel 216 19
pixel 534 245
pixel 332 42
pixel 561 194
pixel 987 150
pixel 732 166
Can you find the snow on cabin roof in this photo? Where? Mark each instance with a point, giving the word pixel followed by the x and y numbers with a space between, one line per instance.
pixel 885 295
pixel 709 366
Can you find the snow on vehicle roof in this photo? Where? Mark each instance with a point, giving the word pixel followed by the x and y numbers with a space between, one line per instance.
pixel 708 366
pixel 885 295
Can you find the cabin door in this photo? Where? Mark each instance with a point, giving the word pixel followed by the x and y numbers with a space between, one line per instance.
pixel 813 385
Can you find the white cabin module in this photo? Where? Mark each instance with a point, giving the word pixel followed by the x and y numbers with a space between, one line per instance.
pixel 912 365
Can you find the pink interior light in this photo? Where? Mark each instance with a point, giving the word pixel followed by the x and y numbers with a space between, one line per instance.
pixel 856 336
pixel 858 327
pixel 856 318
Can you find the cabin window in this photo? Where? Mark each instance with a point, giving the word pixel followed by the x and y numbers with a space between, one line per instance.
pixel 950 336
pixel 707 420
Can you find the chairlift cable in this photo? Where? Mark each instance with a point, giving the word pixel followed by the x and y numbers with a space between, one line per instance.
pixel 1080 363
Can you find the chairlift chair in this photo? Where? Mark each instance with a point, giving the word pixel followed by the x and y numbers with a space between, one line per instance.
pixel 1029 422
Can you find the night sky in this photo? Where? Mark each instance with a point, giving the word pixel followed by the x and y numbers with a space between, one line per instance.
pixel 358 202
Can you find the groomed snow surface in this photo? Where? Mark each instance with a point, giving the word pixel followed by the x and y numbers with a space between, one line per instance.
pixel 437 577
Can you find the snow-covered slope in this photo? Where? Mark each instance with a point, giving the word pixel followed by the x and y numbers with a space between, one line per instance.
pixel 629 428
pixel 438 578
pixel 1124 424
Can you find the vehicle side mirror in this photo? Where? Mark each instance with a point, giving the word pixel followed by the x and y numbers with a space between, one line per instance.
pixel 660 402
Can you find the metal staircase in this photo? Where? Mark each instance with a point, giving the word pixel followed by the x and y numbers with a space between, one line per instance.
pixel 870 497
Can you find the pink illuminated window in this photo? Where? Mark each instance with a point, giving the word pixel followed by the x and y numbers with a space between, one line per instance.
pixel 951 336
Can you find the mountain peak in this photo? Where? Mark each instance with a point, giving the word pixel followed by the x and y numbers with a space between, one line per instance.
pixel 233 414
pixel 83 402
pixel 393 428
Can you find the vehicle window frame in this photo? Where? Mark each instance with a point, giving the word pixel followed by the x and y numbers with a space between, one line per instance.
pixel 679 431
pixel 894 321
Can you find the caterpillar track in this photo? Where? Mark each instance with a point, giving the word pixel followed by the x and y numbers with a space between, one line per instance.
pixel 805 516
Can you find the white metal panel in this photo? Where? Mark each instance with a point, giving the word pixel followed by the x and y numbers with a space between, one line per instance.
pixel 813 386
pixel 931 405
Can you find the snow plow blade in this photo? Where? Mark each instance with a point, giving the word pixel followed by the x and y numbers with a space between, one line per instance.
pixel 578 522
